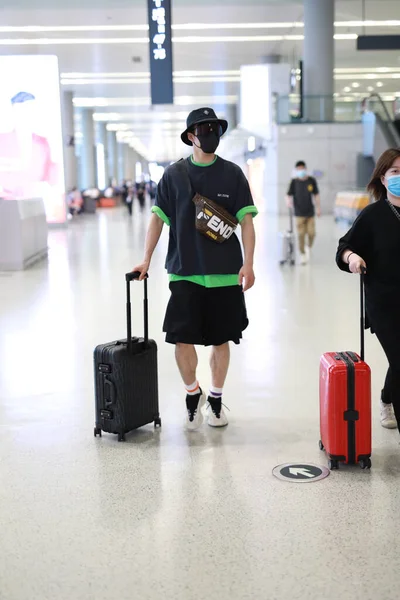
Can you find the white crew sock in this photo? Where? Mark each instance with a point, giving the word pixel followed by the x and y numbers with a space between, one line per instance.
pixel 215 393
pixel 193 389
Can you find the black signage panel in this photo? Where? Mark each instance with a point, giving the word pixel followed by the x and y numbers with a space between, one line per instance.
pixel 160 33
pixel 378 42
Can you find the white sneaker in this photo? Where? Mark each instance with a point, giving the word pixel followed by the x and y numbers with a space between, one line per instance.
pixel 308 253
pixel 388 418
pixel 303 259
pixel 216 414
pixel 194 404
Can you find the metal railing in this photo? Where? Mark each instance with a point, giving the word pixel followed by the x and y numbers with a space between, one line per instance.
pixel 324 109
pixel 385 120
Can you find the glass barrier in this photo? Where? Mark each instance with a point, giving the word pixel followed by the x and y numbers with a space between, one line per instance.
pixel 323 109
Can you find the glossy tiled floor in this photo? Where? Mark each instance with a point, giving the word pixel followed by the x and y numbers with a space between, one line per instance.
pixel 170 515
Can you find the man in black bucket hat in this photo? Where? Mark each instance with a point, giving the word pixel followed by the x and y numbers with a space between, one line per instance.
pixel 202 116
pixel 207 271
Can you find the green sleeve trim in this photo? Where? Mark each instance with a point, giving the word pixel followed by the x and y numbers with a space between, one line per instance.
pixel 196 164
pixel 208 281
pixel 160 213
pixel 246 210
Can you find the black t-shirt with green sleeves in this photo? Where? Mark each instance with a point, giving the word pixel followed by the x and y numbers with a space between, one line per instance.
pixel 189 252
pixel 303 191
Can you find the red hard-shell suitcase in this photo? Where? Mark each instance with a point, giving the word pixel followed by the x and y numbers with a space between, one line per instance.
pixel 345 404
pixel 126 382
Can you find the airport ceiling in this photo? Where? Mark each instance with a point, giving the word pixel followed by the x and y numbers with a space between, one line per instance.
pixel 103 54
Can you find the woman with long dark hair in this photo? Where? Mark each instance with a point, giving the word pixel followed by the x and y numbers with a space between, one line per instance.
pixel 373 243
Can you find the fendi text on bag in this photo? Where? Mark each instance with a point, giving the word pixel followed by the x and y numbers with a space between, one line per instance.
pixel 212 220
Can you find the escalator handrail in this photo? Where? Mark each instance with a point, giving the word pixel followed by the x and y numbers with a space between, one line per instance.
pixel 383 105
pixel 389 119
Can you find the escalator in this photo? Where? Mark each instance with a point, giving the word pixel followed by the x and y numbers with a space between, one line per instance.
pixel 389 127
pixel 380 132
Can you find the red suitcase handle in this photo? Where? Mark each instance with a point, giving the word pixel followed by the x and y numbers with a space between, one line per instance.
pixel 362 312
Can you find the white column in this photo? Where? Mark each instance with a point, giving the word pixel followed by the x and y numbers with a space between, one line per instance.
pixel 318 59
pixel 112 158
pixel 127 162
pixel 101 155
pixel 70 163
pixel 87 151
pixel 121 162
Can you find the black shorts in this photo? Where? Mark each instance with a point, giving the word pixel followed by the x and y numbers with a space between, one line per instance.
pixel 205 316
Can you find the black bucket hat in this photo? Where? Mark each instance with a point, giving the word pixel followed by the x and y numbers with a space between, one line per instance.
pixel 201 115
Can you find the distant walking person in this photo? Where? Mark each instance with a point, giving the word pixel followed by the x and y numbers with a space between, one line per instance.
pixel 141 194
pixel 303 197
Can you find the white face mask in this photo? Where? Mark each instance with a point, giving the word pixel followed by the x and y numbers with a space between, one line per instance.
pixel 296 175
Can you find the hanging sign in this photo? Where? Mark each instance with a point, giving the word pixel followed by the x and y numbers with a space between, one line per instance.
pixel 162 90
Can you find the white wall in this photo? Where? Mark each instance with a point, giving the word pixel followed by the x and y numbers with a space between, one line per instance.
pixel 329 148
pixel 258 85
pixel 233 147
pixel 271 174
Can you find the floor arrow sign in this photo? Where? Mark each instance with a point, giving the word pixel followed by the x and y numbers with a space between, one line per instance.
pixel 300 472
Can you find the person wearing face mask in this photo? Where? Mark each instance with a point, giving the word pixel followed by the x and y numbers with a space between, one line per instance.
pixel 303 197
pixel 207 279
pixel 373 243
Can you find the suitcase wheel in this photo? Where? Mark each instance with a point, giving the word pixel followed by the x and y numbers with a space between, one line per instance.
pixel 333 465
pixel 321 446
pixel 121 437
pixel 365 463
pixel 292 262
pixel 282 262
pixel 157 423
pixel 97 431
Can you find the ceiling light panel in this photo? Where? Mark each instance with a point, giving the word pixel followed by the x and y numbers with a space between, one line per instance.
pixel 153 116
pixel 134 76
pixel 145 101
pixel 177 40
pixel 144 74
pixel 129 127
pixel 147 81
pixel 188 26
pixel 363 76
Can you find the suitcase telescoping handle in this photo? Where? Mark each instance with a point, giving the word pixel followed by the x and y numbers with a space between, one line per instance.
pixel 290 219
pixel 362 312
pixel 128 278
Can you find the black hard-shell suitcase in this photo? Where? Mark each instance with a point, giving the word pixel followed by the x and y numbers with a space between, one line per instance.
pixel 126 381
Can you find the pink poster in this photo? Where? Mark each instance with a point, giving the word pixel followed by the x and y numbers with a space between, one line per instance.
pixel 31 147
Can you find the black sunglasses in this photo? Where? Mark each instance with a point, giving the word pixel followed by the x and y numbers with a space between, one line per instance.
pixel 205 128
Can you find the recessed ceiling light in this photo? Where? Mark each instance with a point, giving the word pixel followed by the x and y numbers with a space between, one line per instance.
pixel 355 84
pixel 346 89
pixel 370 88
pixel 379 84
